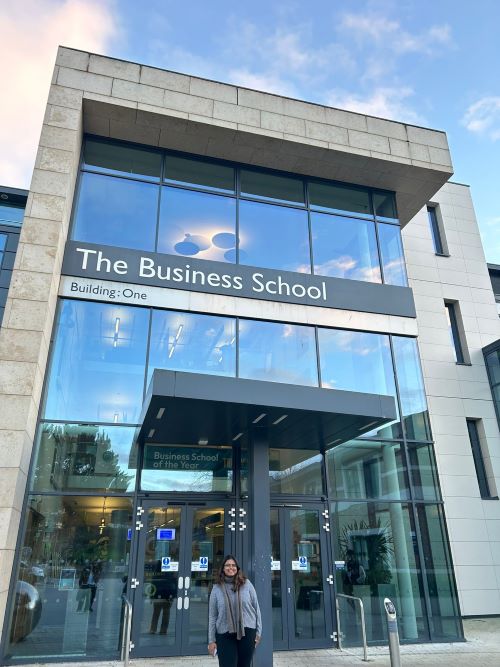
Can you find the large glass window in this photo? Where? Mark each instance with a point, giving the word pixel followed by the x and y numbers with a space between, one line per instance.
pixel 367 469
pixel 444 616
pixel 295 471
pixel 199 172
pixel 492 360
pixel 98 363
pixel 3 243
pixel 423 471
pixel 271 186
pixel 197 224
pixel 122 159
pixel 391 255
pixel 11 214
pixel 202 214
pixel 339 198
pixel 73 568
pixel 182 468
pixel 274 237
pixel 411 388
pixel 116 212
pixel 356 361
pixel 376 557
pixel 80 457
pixel 345 248
pixel 191 342
pixel 277 352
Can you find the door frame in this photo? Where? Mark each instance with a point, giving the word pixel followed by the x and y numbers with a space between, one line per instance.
pixel 188 507
pixel 289 641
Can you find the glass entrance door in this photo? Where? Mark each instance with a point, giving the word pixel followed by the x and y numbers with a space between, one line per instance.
pixel 180 547
pixel 302 595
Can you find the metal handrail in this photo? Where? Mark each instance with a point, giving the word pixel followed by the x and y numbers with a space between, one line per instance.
pixel 127 630
pixel 363 626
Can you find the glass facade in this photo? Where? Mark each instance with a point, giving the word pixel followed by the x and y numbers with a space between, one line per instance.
pixel 194 207
pixel 379 494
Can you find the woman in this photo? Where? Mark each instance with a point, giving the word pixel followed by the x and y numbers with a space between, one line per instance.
pixel 234 623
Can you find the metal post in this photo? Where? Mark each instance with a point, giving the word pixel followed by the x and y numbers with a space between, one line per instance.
pixel 392 629
pixel 127 629
pixel 363 625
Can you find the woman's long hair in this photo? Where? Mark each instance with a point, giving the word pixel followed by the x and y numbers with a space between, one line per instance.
pixel 238 579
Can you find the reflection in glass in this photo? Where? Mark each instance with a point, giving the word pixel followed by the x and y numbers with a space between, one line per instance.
pixel 191 342
pixel 3 242
pixel 207 540
pixel 76 457
pixel 11 213
pixel 492 360
pixel 339 198
pixel 272 186
pixel 444 613
pixel 182 468
pixel 274 237
pixel 345 248
pixel 199 172
pixel 391 253
pixel 116 212
pixel 74 558
pixel 374 542
pixel 295 471
pixel 411 388
pixel 367 469
pixel 277 352
pixel 122 159
pixel 98 363
pixel 189 221
pixel 385 206
pixel 423 471
pixel 308 588
pixel 356 361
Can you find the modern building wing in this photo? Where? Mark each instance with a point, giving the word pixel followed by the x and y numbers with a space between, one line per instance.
pixel 240 323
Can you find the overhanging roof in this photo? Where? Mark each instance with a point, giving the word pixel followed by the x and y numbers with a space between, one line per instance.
pixel 190 408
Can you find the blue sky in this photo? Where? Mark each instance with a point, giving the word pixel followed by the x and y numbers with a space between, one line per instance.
pixel 434 64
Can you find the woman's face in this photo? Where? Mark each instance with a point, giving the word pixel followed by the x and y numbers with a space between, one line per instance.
pixel 230 568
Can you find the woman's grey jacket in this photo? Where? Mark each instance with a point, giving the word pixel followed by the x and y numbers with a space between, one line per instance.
pixel 217 613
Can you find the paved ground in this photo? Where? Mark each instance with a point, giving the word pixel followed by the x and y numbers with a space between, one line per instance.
pixel 482 649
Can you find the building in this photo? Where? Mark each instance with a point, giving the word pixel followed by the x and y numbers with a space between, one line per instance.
pixel 12 203
pixel 210 346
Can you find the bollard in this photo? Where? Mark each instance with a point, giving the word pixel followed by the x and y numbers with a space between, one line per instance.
pixel 392 629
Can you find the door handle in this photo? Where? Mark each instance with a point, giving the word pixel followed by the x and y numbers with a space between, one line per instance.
pixel 180 582
pixel 179 603
pixel 289 590
pixel 186 602
pixel 187 581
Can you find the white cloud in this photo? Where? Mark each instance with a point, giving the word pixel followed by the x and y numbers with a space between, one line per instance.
pixel 483 117
pixel 383 102
pixel 30 31
pixel 271 83
pixel 391 35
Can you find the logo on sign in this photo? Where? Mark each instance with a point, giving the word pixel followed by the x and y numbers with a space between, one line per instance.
pixel 303 562
pixel 203 563
pixel 165 564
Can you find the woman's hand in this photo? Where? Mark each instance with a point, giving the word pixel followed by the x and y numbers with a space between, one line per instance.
pixel 257 640
pixel 212 648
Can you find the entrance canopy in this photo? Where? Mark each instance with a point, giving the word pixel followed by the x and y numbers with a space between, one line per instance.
pixel 189 408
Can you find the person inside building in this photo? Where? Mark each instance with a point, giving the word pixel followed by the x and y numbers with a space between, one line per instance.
pixel 234 621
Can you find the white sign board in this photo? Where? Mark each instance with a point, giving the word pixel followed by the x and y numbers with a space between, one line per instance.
pixel 168 565
pixel 200 565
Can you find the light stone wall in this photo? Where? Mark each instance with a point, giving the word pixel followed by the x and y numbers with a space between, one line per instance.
pixel 458 391
pixel 125 100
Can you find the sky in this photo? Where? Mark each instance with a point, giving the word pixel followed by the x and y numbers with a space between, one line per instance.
pixel 431 63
